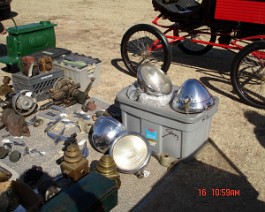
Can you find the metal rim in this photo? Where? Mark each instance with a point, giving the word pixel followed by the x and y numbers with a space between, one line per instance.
pixel 122 135
pixel 141 78
pixel 21 111
pixel 111 119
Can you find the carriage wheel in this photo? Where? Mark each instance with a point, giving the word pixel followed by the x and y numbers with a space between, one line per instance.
pixel 248 74
pixel 203 33
pixel 145 43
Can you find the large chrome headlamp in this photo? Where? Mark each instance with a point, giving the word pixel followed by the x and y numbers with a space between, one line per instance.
pixel 104 132
pixel 131 152
pixel 153 80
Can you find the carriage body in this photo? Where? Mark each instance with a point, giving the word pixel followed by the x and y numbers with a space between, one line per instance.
pixel 195 27
pixel 250 11
pixel 243 15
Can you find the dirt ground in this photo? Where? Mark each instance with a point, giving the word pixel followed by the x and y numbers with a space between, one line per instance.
pixel 232 159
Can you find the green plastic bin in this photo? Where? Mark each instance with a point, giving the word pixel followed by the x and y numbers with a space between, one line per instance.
pixel 28 39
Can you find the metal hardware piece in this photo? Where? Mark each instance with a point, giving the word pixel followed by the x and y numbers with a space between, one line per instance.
pixel 28 151
pixel 89 106
pixel 74 165
pixel 3 152
pixel 66 92
pixel 53 124
pixel 14 156
pixel 56 138
pixel 82 115
pixel 24 103
pixel 107 167
pixel 15 124
pixel 5 175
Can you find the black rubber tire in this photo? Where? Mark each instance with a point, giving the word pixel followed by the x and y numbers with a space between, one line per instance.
pixel 131 50
pixel 248 75
pixel 202 49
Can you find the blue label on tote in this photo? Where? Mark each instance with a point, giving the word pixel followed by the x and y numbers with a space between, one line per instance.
pixel 151 134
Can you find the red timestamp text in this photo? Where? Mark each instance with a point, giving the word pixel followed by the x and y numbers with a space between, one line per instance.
pixel 219 192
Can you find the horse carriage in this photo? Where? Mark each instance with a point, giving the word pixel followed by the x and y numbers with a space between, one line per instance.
pixel 196 27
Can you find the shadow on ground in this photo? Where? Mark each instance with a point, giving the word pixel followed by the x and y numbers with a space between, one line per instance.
pixel 211 79
pixel 3 50
pixel 10 68
pixel 196 186
pixel 116 63
pixel 217 60
pixel 259 122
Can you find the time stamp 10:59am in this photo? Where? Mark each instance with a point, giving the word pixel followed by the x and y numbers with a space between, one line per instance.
pixel 219 192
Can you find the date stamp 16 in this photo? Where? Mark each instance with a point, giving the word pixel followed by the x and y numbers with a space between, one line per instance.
pixel 219 192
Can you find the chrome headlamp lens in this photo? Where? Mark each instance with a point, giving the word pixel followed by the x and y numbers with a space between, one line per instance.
pixel 131 152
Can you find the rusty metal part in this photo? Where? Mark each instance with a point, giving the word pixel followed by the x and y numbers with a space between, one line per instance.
pixel 46 105
pixel 45 63
pixel 65 91
pixel 100 113
pixel 74 165
pixel 14 156
pixel 23 103
pixel 27 63
pixel 15 124
pixel 5 175
pixel 6 80
pixel 5 88
pixel 38 123
pixel 89 86
pixel 29 66
pixel 3 152
pixel 107 167
pixel 89 106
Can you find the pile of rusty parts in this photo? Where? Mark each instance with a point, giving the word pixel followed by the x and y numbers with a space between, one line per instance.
pixel 18 107
pixel 31 67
